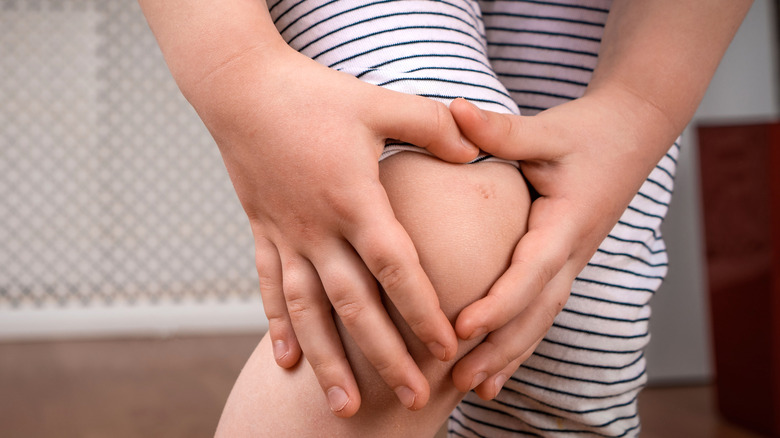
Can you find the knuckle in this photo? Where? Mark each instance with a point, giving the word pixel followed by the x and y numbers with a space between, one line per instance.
pixel 542 274
pixel 537 273
pixel 325 367
pixel 265 256
pixel 546 270
pixel 445 124
pixel 558 257
pixel 385 367
pixel 260 263
pixel 548 314
pixel 298 300
pixel 294 270
pixel 341 293
pixel 499 310
pixel 418 326
pixel 505 357
pixel 349 310
pixel 391 276
pixel 497 357
pixel 298 307
pixel 276 318
pixel 440 121
pixel 442 115
pixel 342 203
pixel 512 127
pixel 267 280
pixel 540 271
pixel 306 227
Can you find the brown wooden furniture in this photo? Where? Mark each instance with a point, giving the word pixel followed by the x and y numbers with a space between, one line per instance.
pixel 740 175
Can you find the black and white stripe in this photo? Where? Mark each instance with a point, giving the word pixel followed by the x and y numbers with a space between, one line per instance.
pixel 435 49
pixel 518 56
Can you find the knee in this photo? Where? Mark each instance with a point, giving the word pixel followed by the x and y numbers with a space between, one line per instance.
pixel 465 220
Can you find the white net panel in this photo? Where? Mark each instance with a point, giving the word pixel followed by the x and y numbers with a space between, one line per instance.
pixel 112 192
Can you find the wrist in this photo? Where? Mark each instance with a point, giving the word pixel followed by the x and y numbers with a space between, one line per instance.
pixel 652 128
pixel 197 38
pixel 244 85
pixel 239 66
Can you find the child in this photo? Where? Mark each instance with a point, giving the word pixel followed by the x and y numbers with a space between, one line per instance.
pixel 292 131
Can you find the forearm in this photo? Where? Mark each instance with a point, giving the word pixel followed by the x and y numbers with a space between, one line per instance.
pixel 199 39
pixel 660 55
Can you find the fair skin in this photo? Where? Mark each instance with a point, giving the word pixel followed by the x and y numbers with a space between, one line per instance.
pixel 309 208
pixel 323 226
pixel 587 159
pixel 447 209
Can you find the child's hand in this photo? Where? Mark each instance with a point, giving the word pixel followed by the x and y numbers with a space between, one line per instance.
pixel 587 160
pixel 301 144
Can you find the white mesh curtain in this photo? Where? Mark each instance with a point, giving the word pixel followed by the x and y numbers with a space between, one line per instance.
pixel 116 213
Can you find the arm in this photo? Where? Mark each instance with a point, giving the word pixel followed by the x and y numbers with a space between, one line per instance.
pixel 301 143
pixel 587 159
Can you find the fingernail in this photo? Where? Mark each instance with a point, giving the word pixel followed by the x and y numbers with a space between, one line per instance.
pixel 437 350
pixel 406 395
pixel 479 331
pixel 337 399
pixel 280 350
pixel 499 383
pixel 479 378
pixel 469 145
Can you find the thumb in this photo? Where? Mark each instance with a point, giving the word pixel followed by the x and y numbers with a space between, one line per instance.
pixel 506 135
pixel 422 122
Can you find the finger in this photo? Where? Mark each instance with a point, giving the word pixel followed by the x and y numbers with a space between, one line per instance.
pixel 490 387
pixel 310 313
pixel 389 254
pixel 356 299
pixel 514 341
pixel 538 258
pixel 506 135
pixel 286 349
pixel 422 122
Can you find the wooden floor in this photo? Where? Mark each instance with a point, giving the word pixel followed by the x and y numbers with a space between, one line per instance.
pixel 176 388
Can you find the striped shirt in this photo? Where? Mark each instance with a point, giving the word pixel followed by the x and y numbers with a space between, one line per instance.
pixel 519 57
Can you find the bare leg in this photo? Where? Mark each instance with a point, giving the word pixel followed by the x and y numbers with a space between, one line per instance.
pixel 465 221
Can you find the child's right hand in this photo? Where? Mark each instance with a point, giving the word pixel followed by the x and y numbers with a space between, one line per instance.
pixel 301 143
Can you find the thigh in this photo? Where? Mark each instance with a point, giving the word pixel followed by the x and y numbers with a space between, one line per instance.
pixel 465 221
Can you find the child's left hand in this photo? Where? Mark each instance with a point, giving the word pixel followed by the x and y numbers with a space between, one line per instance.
pixel 587 160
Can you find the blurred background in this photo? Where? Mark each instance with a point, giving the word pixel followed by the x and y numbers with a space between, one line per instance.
pixel 128 295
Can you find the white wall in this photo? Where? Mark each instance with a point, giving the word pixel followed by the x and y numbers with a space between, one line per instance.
pixel 745 87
